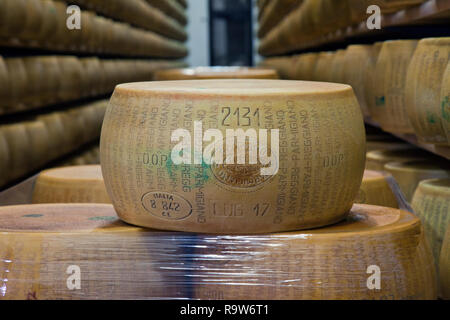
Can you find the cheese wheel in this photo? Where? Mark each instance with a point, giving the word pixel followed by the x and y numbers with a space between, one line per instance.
pixel 56 134
pixel 304 68
pixel 322 71
pixel 375 160
pixel 35 71
pixel 392 65
pixel 423 89
pixel 4 159
pixel 310 179
pixel 77 184
pixel 19 148
pixel 355 61
pixel 94 80
pixel 370 84
pixel 48 23
pixel 33 20
pixel 444 266
pixel 50 87
pixel 71 83
pixel 45 247
pixel 445 101
pixel 337 67
pixel 408 174
pixel 377 189
pixel 4 88
pixel 216 73
pixel 18 82
pixel 336 262
pixel 12 17
pixel 431 203
pixel 38 136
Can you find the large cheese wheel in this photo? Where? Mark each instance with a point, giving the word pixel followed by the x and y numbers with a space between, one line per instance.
pixel 444 266
pixel 45 247
pixel 216 73
pixel 431 203
pixel 77 184
pixel 335 262
pixel 408 174
pixel 445 101
pixel 320 158
pixel 378 189
pixel 355 61
pixel 375 160
pixel 393 63
pixel 423 89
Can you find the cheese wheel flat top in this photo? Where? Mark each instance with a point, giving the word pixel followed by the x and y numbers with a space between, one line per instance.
pixel 60 218
pixel 238 88
pixel 436 185
pixel 419 165
pixel 69 174
pixel 372 174
pixel 215 73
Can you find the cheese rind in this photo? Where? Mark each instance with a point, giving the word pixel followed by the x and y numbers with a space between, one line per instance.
pixel 75 184
pixel 320 158
pixel 215 73
pixel 376 190
pixel 423 89
pixel 335 262
pixel 408 174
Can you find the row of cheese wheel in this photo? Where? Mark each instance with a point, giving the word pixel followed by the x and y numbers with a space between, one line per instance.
pixel 36 81
pixel 408 166
pixel 404 85
pixel 172 8
pixel 312 21
pixel 29 145
pixel 84 184
pixel 44 24
pixel 276 10
pixel 377 253
pixel 138 13
pixel 431 203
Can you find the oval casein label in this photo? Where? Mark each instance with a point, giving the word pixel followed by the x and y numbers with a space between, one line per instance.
pixel 166 205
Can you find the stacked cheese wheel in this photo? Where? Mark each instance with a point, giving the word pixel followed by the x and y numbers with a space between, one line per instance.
pixel 376 253
pixel 67 78
pixel 76 184
pixel 409 174
pixel 379 189
pixel 307 175
pixel 26 146
pixel 138 13
pixel 82 251
pixel 171 8
pixel 43 24
pixel 203 73
pixel 444 266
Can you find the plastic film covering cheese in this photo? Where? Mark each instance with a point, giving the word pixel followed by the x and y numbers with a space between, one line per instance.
pixel 423 90
pixel 335 262
pixel 378 189
pixel 445 101
pixel 444 266
pixel 200 73
pixel 317 152
pixel 75 184
pixel 375 160
pixel 431 203
pixel 391 70
pixel 409 174
pixel 82 251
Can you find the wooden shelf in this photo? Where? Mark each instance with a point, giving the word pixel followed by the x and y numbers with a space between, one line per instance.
pixel 441 151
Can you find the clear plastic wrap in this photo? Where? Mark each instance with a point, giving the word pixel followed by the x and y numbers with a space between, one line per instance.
pixel 377 253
